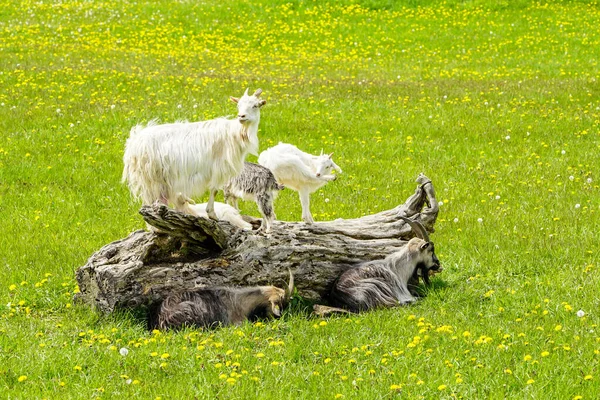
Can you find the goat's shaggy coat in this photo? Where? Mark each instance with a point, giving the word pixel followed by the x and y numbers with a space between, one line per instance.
pixel 256 183
pixel 211 307
pixel 383 283
pixel 190 157
pixel 299 171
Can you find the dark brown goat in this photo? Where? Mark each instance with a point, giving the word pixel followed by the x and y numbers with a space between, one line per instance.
pixel 219 306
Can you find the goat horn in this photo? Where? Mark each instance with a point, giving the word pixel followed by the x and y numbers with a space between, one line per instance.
pixel 290 288
pixel 417 228
pixel 246 92
pixel 258 92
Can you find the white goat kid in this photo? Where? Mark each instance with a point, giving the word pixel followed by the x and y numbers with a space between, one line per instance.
pixel 299 171
pixel 224 212
pixel 191 157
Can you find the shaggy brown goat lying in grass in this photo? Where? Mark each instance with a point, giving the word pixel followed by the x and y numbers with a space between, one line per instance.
pixel 219 306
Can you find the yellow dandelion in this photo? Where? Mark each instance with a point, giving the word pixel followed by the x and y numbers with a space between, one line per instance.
pixel 395 387
pixel 22 378
pixel 588 378
pixel 545 353
pixel 530 381
pixel 558 328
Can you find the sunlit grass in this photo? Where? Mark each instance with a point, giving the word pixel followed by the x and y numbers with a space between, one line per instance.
pixel 498 103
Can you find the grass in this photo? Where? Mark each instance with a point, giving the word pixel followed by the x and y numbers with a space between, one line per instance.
pixel 497 102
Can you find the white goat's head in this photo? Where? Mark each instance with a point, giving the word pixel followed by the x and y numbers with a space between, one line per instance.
pixel 249 106
pixel 325 164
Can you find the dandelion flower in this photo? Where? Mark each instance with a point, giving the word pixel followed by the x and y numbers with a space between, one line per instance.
pixel 442 387
pixel 580 313
pixel 22 378
pixel 123 351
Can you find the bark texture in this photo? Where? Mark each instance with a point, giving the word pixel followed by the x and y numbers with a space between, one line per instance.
pixel 187 252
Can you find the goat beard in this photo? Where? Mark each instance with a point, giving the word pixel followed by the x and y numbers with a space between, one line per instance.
pixel 244 134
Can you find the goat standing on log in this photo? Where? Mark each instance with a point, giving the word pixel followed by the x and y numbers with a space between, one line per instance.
pixel 191 157
pixel 384 283
pixel 299 171
pixel 211 307
pixel 257 183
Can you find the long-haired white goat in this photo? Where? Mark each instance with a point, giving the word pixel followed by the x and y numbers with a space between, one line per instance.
pixel 191 157
pixel 299 171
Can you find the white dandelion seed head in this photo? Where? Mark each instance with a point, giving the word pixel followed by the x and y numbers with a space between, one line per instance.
pixel 589 180
pixel 455 220
pixel 58 110
pixel 327 200
pixel 123 351
pixel 128 381
pixel 580 313
pixel 577 205
pixel 179 106
pixel 497 197
pixel 571 178
pixel 112 106
pixel 563 152
pixel 507 137
pixel 480 220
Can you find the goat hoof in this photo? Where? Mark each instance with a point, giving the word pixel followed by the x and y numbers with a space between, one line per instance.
pixel 213 216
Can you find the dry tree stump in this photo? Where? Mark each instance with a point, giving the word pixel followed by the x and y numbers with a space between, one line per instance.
pixel 187 252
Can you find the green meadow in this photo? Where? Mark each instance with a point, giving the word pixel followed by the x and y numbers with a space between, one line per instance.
pixel 498 102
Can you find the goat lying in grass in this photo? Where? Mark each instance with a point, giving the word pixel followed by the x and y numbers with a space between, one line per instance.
pixel 299 171
pixel 257 183
pixel 191 157
pixel 224 212
pixel 384 283
pixel 211 307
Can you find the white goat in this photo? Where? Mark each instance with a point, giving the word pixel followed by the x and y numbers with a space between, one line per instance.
pixel 191 157
pixel 299 171
pixel 224 212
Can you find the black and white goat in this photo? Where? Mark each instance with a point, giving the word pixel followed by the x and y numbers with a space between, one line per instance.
pixel 219 306
pixel 256 183
pixel 384 283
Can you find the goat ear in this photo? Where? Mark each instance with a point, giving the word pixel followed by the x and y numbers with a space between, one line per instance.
pixel 262 103
pixel 424 246
pixel 234 99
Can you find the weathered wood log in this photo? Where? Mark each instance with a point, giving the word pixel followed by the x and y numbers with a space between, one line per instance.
pixel 187 252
